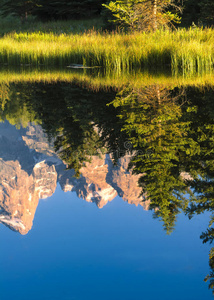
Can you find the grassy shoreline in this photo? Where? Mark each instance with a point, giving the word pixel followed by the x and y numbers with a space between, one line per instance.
pixel 182 51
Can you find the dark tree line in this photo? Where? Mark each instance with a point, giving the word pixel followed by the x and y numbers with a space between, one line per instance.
pixel 198 12
pixel 52 9
pixel 194 12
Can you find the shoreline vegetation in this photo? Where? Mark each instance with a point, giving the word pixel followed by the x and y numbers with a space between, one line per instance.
pixel 184 51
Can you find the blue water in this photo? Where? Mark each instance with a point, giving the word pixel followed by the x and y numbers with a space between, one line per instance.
pixel 77 251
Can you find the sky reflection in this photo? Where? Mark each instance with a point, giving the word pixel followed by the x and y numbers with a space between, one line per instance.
pixel 77 251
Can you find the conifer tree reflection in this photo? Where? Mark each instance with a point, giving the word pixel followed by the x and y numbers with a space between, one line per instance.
pixel 4 94
pixel 208 236
pixel 89 127
pixel 154 124
pixel 201 166
pixel 210 277
pixel 205 202
pixel 15 104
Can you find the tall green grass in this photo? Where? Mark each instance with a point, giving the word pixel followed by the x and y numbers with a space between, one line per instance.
pixel 182 51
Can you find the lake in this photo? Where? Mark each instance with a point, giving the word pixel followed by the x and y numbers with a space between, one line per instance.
pixel 106 190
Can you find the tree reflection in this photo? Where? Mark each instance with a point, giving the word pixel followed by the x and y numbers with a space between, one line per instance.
pixel 77 119
pixel 153 121
pixel 4 94
pixel 201 165
pixel 15 104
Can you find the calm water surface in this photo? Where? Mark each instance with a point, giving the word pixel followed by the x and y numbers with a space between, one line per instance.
pixel 76 251
pixel 105 233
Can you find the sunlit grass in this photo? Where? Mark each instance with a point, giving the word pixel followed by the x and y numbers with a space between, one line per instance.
pixel 185 51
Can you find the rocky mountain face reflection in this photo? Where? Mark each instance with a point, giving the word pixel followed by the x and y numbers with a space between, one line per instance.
pixel 30 170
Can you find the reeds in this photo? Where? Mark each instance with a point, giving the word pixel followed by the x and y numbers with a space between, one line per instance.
pixel 182 51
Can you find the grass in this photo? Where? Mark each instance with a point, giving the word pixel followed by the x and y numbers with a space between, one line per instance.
pixel 60 44
pixel 185 51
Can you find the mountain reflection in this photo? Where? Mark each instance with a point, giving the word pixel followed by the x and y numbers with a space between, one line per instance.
pixel 30 170
pixel 152 146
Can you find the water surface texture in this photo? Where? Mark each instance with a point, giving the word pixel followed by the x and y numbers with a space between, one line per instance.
pixel 106 192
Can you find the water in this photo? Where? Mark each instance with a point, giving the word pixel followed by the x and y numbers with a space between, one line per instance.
pixel 92 236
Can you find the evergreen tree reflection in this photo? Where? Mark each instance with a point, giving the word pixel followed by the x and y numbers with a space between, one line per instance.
pixel 153 121
pixel 202 162
pixel 77 119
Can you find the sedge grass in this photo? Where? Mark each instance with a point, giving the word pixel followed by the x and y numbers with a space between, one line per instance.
pixel 182 51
